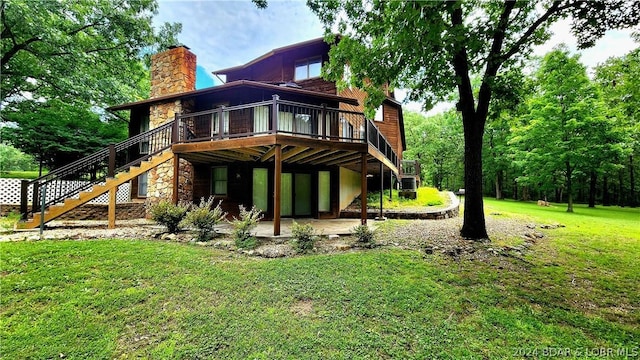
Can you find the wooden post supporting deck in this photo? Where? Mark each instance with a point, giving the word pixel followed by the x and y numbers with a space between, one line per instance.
pixel 381 216
pixel 277 178
pixel 112 207
pixel 363 187
pixel 176 177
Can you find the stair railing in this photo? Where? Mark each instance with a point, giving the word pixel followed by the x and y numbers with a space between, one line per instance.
pixel 80 175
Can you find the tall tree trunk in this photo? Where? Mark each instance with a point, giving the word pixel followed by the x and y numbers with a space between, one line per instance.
pixel 605 191
pixel 499 185
pixel 632 183
pixel 474 223
pixel 569 189
pixel 592 189
pixel 621 191
pixel 515 190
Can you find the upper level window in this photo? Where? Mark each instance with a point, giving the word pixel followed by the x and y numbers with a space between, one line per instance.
pixel 379 114
pixel 308 68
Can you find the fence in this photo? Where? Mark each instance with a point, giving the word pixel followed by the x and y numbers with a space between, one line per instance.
pixel 10 192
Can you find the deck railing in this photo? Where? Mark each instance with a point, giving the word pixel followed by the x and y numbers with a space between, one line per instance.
pixel 69 180
pixel 283 117
pixel 267 117
pixel 410 167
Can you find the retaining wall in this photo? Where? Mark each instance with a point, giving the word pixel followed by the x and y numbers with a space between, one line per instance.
pixel 451 211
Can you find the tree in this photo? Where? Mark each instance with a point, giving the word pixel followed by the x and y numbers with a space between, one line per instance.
pixel 57 133
pixel 566 131
pixel 436 142
pixel 510 91
pixel 619 79
pixel 434 47
pixel 12 159
pixel 62 61
pixel 86 50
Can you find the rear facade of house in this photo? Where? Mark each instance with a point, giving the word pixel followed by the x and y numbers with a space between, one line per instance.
pixel 275 135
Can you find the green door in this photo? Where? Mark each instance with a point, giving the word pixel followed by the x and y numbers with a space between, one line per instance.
pixel 261 189
pixel 286 194
pixel 302 194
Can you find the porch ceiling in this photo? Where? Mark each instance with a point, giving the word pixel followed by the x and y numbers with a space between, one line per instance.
pixel 295 150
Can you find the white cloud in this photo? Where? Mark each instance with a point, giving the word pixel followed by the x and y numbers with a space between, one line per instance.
pixel 614 43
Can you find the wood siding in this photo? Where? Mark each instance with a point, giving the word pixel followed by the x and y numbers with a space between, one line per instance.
pixel 389 127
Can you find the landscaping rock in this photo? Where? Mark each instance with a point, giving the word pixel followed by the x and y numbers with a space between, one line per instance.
pixel 274 251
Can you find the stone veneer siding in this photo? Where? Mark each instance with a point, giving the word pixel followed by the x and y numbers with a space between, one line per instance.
pixel 172 71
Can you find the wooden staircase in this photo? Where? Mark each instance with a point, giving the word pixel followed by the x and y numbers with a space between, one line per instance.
pixel 69 204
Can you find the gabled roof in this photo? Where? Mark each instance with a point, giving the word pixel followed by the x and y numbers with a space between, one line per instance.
pixel 236 84
pixel 270 54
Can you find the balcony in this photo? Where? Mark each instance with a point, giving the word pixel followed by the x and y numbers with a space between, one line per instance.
pixel 250 128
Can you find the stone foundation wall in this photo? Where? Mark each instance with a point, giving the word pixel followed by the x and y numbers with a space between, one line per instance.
pixel 124 211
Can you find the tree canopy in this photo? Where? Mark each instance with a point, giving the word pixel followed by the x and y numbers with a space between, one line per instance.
pixel 565 129
pixel 63 61
pixel 434 47
pixel 87 50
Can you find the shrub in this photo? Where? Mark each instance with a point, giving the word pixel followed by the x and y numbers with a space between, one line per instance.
pixel 170 215
pixel 364 235
pixel 243 226
pixel 204 218
pixel 304 237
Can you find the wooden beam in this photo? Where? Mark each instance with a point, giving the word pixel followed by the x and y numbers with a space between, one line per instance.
pixel 349 159
pixel 176 177
pixel 305 155
pixel 319 144
pixel 381 189
pixel 225 144
pixel 269 154
pixel 380 157
pixel 233 154
pixel 363 189
pixel 112 207
pixel 333 158
pixel 293 152
pixel 319 156
pixel 250 151
pixel 277 179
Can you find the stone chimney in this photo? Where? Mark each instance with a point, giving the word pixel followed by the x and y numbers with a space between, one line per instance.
pixel 173 71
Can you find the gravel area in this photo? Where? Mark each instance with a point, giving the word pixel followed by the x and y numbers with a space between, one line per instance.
pixel 509 237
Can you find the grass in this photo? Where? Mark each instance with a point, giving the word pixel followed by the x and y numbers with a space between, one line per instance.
pixel 28 175
pixel 8 222
pixel 577 289
pixel 427 196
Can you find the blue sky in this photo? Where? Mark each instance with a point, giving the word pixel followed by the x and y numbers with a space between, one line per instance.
pixel 229 33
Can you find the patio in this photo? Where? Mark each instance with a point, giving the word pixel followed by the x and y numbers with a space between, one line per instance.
pixel 144 228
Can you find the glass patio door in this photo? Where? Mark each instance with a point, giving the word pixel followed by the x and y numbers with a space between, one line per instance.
pixel 286 194
pixel 302 194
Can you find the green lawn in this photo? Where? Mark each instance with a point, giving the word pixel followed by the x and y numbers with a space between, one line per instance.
pixel 29 175
pixel 576 289
pixel 427 196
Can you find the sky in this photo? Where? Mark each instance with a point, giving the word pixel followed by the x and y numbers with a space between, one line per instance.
pixel 223 34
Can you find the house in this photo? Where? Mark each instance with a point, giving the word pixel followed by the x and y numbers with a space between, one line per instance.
pixel 275 135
